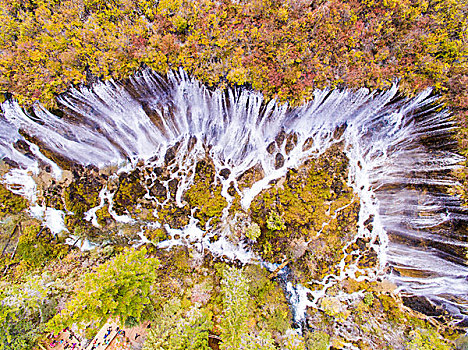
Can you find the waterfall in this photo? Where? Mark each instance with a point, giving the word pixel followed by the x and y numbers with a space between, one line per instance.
pixel 401 153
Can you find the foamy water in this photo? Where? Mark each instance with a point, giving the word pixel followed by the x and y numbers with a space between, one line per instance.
pixel 400 157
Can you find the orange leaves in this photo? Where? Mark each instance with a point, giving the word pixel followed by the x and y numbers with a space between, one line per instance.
pixel 283 48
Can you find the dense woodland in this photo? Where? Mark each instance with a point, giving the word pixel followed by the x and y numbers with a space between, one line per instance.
pixel 283 48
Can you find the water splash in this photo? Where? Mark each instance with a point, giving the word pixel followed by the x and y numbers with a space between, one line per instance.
pixel 400 156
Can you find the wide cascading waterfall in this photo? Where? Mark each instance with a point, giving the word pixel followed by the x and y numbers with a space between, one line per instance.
pixel 400 155
pixel 404 162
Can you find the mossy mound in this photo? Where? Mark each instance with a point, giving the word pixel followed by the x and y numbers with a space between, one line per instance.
pixel 130 191
pixel 11 203
pixel 308 216
pixel 174 216
pixel 28 247
pixel 36 246
pixel 83 192
pixel 205 194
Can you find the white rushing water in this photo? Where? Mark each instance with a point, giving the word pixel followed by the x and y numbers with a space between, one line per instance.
pixel 400 156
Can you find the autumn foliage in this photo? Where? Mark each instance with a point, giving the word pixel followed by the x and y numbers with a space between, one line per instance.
pixel 283 48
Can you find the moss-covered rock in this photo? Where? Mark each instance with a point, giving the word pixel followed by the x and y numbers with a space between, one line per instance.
pixel 205 194
pixel 174 216
pixel 10 203
pixel 129 192
pixel 249 177
pixel 311 204
pixel 52 196
pixel 82 194
pixel 156 235
pixel 103 217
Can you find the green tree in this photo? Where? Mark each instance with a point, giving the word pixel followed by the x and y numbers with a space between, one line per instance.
pixel 120 288
pixel 253 231
pixel 235 287
pixel 11 203
pixel 275 222
pixel 180 328
pixel 16 332
pixel 294 341
pixel 235 331
pixel 36 249
pixel 317 340
pixel 24 309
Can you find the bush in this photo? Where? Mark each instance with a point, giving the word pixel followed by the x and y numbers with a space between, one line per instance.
pixel 275 222
pixel 253 231
pixel 120 288
pixel 180 327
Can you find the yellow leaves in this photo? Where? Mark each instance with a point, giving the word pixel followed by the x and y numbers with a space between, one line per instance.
pixel 370 3
pixel 74 76
pixel 254 33
pixel 204 41
pixel 221 42
pixel 438 86
pixel 179 23
pixel 76 42
pixel 169 7
pixel 390 3
pixel 157 61
pixel 352 41
pixel 283 14
pixel 382 54
pixel 237 76
pixel 367 42
pixel 53 27
pixel 36 55
pixel 42 12
pixel 148 8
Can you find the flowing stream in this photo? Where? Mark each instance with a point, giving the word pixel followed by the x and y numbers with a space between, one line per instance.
pixel 401 154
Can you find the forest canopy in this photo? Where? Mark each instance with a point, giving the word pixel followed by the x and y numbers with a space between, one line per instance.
pixel 283 48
